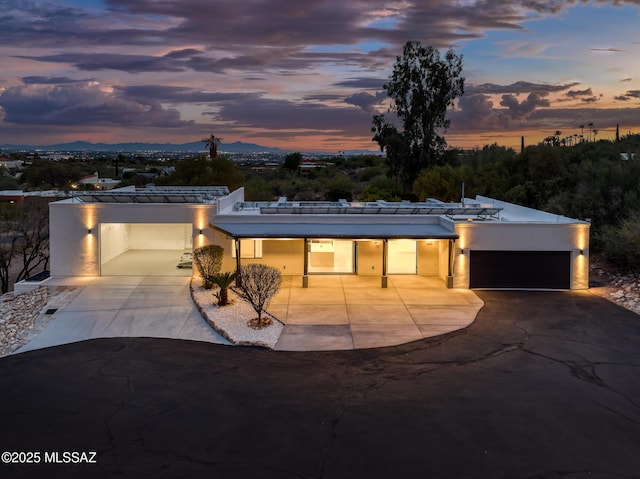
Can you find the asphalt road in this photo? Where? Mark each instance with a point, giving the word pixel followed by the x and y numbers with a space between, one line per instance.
pixel 541 385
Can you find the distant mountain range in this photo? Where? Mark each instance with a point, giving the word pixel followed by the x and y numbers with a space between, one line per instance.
pixel 236 147
pixel 196 146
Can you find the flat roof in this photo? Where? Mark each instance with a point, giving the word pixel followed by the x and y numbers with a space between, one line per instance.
pixel 380 207
pixel 352 231
pixel 156 194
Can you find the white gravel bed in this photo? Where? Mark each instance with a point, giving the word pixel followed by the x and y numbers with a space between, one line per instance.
pixel 231 320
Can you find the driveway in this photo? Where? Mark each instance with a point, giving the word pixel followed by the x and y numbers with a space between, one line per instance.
pixel 541 385
pixel 129 306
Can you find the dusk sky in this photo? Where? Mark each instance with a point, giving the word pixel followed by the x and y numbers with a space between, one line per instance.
pixel 308 75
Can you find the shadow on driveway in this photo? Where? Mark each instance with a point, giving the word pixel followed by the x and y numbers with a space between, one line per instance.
pixel 541 385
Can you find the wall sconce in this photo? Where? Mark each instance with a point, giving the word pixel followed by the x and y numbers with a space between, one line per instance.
pixel 200 231
pixel 461 251
pixel 581 252
pixel 89 231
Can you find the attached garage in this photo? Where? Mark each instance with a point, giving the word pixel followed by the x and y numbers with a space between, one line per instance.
pixel 149 249
pixel 520 269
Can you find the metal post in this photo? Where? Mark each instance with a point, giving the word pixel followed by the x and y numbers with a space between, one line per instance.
pixel 305 271
pixel 385 245
pixel 450 265
pixel 238 252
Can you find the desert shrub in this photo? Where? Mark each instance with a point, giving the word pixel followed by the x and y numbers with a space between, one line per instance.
pixel 208 260
pixel 222 281
pixel 621 244
pixel 258 285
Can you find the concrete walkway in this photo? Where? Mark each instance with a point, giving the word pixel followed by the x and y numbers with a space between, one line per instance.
pixel 334 313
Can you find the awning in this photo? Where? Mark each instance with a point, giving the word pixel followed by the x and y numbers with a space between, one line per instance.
pixel 351 231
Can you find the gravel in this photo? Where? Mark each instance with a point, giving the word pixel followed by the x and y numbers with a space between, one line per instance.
pixel 231 320
pixel 18 314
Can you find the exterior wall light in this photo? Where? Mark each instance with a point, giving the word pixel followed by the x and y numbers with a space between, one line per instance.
pixel 200 231
pixel 461 251
pixel 581 251
pixel 89 231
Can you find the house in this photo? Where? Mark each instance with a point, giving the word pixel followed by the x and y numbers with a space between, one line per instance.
pixel 97 182
pixel 478 243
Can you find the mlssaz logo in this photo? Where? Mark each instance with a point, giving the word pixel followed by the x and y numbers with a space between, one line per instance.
pixel 70 457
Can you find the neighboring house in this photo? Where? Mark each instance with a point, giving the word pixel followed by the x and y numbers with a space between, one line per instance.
pixel 99 183
pixel 481 243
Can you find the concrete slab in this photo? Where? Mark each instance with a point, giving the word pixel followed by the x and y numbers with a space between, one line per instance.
pixel 379 314
pixel 312 314
pixel 317 296
pixel 461 315
pixel 377 335
pixel 371 295
pixel 316 337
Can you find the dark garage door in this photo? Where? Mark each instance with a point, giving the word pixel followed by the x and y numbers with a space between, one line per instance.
pixel 520 269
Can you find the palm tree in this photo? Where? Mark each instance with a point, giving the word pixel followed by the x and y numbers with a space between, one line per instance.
pixel 590 125
pixel 595 133
pixel 581 132
pixel 222 281
pixel 212 143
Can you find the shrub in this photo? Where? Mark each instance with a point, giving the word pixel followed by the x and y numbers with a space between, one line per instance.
pixel 621 244
pixel 208 260
pixel 222 281
pixel 258 285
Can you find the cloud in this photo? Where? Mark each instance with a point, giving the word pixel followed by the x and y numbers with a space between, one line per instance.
pixel 363 83
pixel 42 80
pixel 82 104
pixel 629 95
pixel 366 101
pixel 175 61
pixel 524 108
pixel 516 88
pixel 578 93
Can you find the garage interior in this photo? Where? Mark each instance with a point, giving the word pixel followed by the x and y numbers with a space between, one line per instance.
pixel 132 249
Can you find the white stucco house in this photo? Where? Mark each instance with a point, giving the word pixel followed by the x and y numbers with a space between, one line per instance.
pixel 478 243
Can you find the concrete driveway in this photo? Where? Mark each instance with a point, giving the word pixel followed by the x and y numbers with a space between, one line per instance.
pixel 541 385
pixel 122 306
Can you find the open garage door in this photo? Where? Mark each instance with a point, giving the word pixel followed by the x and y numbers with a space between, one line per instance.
pixel 153 249
pixel 520 269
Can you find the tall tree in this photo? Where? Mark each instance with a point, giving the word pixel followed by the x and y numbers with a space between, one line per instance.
pixel 212 143
pixel 422 87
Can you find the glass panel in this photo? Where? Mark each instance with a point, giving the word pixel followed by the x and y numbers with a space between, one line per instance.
pixel 402 257
pixel 249 248
pixel 331 256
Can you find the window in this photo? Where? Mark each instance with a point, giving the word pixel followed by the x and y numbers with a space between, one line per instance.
pixel 331 256
pixel 402 257
pixel 249 248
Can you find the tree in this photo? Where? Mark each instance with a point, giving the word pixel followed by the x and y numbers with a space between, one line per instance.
pixel 292 161
pixel 24 235
pixel 223 281
pixel 259 284
pixel 212 143
pixel 422 87
pixel 208 260
pixel 201 172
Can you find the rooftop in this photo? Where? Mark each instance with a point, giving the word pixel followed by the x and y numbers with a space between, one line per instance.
pixel 154 194
pixel 380 207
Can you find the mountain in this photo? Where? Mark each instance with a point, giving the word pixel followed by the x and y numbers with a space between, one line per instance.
pixel 235 147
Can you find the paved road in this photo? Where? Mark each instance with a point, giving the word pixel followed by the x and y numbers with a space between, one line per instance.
pixel 541 385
